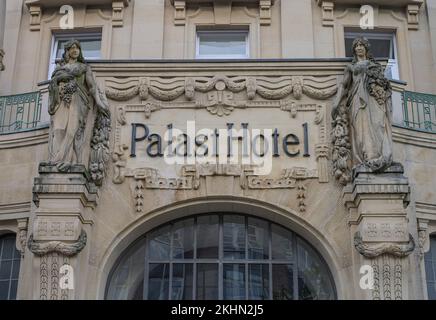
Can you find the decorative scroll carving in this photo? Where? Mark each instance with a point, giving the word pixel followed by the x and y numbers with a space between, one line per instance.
pixel 373 250
pixel 41 248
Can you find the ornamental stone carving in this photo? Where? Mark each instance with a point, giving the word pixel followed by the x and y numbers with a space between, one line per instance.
pixel 362 116
pixel 216 94
pixel 75 102
pixel 68 249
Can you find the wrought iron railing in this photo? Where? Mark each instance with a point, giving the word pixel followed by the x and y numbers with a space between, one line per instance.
pixel 419 111
pixel 20 112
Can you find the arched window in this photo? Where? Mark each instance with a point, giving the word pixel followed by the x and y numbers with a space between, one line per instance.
pixel 430 269
pixel 221 256
pixel 9 267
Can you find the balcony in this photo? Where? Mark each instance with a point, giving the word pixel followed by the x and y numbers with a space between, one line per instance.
pixel 25 111
pixel 419 111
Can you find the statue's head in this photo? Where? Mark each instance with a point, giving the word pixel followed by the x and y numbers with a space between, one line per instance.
pixel 361 48
pixel 73 50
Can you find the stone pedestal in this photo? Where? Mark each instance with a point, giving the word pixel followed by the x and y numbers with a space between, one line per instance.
pixel 59 230
pixel 379 227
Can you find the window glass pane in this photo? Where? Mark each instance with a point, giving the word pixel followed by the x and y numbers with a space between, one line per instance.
pixel 234 237
pixel 281 243
pixel 8 248
pixel 159 244
pixel 380 48
pixel 258 281
pixel 257 239
pixel 15 269
pixel 128 277
pixel 5 269
pixel 13 293
pixel 183 239
pixel 207 281
pixel 313 277
pixel 90 48
pixel 283 288
pixel 207 236
pixel 234 282
pixel 182 281
pixel 222 43
pixel 158 281
pixel 430 269
pixel 4 290
pixel 431 286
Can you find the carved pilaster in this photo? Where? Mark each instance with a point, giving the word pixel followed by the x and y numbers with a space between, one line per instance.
pixel 60 225
pixel 379 225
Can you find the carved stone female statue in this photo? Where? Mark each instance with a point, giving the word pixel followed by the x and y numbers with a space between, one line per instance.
pixel 363 100
pixel 73 93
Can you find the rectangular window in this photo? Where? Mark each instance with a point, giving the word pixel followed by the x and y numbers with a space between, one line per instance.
pixel 90 42
pixel 383 45
pixel 222 44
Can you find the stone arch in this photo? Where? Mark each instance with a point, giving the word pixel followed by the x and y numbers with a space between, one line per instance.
pixel 230 204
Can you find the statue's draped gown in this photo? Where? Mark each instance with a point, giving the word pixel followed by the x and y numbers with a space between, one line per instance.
pixel 69 107
pixel 371 131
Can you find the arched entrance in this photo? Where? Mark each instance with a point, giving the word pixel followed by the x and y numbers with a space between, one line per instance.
pixel 225 254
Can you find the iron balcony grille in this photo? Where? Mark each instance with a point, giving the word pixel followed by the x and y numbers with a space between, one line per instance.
pixel 419 111
pixel 20 112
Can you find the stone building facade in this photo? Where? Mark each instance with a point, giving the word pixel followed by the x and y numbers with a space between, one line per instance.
pixel 149 228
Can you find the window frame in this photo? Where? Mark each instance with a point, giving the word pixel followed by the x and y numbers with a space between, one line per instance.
pixel 13 259
pixel 380 35
pixel 428 256
pixel 298 242
pixel 56 37
pixel 228 56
